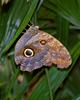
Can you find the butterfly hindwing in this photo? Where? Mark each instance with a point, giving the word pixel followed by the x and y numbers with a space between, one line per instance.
pixel 37 48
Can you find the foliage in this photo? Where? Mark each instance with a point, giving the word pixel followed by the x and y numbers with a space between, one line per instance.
pixel 60 18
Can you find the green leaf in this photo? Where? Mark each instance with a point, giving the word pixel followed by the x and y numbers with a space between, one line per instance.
pixel 22 25
pixel 62 30
pixel 69 9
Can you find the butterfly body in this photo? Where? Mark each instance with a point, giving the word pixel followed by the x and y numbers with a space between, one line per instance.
pixel 37 48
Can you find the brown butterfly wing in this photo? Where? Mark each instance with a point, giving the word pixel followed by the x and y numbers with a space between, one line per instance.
pixel 47 51
pixel 32 42
pixel 58 53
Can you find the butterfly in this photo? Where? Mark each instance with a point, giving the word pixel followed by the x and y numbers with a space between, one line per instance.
pixel 37 48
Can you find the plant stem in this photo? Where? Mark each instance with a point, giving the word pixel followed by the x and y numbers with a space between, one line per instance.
pixel 49 85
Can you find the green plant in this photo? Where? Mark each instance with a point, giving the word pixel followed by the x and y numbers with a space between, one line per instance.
pixel 60 18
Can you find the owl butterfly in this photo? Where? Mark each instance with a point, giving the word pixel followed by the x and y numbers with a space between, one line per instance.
pixel 37 48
